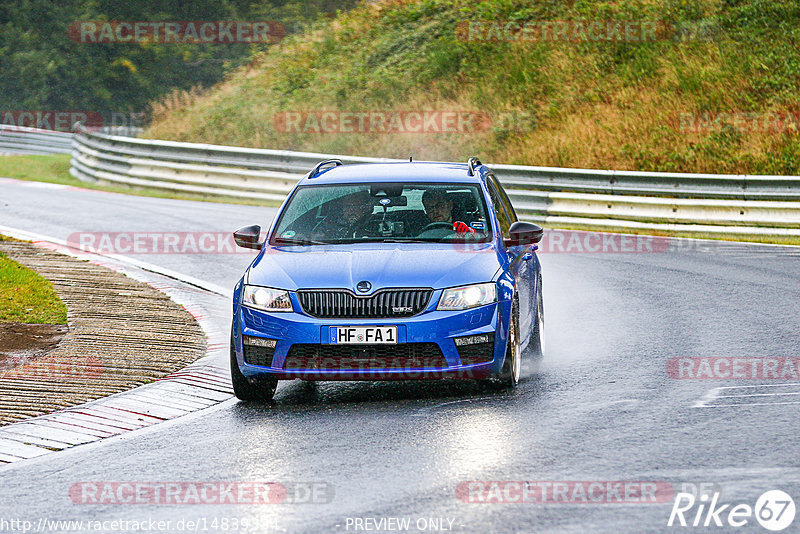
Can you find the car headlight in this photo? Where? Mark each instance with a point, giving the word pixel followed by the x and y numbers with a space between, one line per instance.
pixel 267 299
pixel 465 297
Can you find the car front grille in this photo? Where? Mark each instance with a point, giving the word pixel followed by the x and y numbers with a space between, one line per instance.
pixel 383 304
pixel 365 357
pixel 478 353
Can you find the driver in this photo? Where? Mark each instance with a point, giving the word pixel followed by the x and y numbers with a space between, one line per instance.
pixel 439 208
pixel 346 217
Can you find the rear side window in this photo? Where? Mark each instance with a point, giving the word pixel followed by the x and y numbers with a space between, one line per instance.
pixel 512 215
pixel 499 208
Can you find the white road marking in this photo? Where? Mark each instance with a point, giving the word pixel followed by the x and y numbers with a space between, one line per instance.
pixel 739 405
pixel 708 400
pixel 790 384
pixel 758 395
pixel 36 185
pixel 705 399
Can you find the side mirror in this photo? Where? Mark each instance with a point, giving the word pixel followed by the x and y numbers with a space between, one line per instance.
pixel 523 233
pixel 248 237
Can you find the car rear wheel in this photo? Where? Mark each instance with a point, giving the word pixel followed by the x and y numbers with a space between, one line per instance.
pixel 250 389
pixel 537 338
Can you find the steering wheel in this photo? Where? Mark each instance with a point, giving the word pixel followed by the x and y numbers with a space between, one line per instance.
pixel 438 224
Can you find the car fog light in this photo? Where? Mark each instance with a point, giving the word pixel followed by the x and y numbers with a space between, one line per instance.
pixel 260 342
pixel 472 340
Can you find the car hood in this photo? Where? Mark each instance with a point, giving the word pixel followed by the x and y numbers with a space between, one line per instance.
pixel 435 265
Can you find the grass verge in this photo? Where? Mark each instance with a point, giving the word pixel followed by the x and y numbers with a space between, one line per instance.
pixel 27 297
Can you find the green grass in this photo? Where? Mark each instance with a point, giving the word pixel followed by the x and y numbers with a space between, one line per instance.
pixel 26 297
pixel 54 169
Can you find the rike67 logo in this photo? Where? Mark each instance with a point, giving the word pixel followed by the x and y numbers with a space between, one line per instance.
pixel 774 510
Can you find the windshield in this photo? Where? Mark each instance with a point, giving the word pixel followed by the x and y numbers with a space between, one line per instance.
pixel 383 212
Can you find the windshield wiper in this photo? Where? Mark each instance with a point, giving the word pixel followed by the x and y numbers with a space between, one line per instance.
pixel 409 240
pixel 286 241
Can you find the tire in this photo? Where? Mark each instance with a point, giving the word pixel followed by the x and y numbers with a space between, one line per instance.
pixel 536 345
pixel 250 389
pixel 509 375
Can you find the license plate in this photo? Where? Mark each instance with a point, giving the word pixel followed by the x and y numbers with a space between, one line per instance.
pixel 363 335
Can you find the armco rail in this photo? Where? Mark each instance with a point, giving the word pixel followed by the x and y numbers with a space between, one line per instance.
pixel 704 203
pixel 21 140
pixel 24 140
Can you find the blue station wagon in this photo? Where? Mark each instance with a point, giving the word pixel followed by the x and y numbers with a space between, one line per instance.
pixel 386 271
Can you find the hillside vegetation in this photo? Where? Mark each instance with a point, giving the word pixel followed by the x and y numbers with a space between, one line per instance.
pixel 573 103
pixel 46 67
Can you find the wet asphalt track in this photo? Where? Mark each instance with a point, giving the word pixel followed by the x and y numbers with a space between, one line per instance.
pixel 602 408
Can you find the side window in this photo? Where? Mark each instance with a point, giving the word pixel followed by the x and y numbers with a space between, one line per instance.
pixel 499 208
pixel 512 215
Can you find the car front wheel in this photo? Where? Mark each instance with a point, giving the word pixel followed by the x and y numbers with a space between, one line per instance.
pixel 250 389
pixel 512 365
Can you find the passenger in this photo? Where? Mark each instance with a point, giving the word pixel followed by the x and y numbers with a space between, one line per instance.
pixel 350 214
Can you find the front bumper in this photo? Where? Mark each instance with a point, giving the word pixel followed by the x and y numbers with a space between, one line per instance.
pixel 425 348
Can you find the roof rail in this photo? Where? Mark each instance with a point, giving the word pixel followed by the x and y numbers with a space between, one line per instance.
pixel 318 167
pixel 473 162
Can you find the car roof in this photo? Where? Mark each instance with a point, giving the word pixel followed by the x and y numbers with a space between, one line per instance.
pixel 395 172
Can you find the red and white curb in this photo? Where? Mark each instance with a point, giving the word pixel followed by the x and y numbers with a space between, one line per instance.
pixel 196 387
pixel 200 385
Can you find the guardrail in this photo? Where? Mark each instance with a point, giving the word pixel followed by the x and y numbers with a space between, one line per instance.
pixel 713 204
pixel 22 140
pixel 25 140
